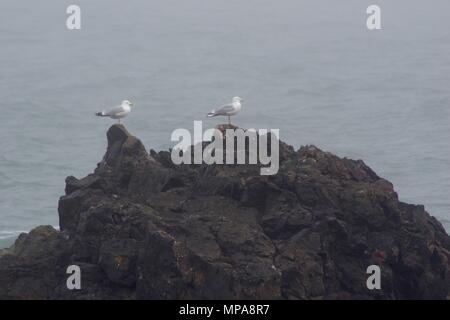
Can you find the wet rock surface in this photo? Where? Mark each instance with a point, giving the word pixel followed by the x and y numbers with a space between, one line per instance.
pixel 141 227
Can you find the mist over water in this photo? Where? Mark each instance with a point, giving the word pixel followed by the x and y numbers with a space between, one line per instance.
pixel 310 68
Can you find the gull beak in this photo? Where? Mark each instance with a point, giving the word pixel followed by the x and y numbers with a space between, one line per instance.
pixel 131 104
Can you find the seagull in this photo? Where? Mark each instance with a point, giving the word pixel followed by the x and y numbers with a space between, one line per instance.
pixel 117 112
pixel 228 110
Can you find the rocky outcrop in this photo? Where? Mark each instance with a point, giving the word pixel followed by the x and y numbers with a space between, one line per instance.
pixel 140 227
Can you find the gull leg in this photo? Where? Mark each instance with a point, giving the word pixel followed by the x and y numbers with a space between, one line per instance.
pixel 229 121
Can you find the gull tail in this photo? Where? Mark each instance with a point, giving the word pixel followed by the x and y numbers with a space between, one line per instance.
pixel 211 114
pixel 101 114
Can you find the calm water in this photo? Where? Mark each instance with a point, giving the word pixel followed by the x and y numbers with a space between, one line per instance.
pixel 310 68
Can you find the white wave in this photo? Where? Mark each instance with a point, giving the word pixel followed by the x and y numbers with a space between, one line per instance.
pixel 7 234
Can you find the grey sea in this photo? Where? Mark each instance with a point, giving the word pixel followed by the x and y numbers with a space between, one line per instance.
pixel 310 68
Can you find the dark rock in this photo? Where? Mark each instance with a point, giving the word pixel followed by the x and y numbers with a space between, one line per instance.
pixel 141 227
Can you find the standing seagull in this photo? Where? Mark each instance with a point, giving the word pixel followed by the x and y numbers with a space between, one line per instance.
pixel 228 110
pixel 117 112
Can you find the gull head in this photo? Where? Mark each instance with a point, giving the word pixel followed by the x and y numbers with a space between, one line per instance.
pixel 238 99
pixel 127 103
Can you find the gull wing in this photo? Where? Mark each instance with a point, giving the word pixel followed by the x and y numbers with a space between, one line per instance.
pixel 115 111
pixel 224 110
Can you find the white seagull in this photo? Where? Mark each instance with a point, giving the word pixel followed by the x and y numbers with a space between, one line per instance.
pixel 117 112
pixel 228 110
